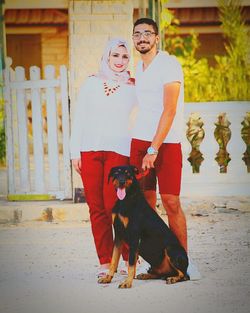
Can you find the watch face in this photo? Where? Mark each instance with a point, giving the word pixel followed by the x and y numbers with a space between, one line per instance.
pixel 151 150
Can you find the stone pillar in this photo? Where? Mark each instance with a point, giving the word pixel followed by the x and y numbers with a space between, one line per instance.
pixel 91 24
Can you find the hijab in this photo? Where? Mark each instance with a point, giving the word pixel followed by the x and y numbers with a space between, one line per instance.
pixel 105 72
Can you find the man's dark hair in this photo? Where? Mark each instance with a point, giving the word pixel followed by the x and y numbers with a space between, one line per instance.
pixel 149 21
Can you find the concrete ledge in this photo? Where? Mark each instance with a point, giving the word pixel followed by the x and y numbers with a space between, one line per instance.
pixel 67 211
pixel 48 211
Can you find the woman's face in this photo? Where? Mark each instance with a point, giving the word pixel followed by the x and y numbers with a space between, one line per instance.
pixel 118 59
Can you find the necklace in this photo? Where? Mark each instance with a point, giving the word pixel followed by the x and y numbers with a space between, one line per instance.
pixel 109 90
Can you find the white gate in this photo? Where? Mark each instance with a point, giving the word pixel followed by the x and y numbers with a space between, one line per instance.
pixel 37 130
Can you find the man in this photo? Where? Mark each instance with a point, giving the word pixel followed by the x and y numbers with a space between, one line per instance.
pixel 156 143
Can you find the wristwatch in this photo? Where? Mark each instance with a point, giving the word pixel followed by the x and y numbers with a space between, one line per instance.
pixel 152 151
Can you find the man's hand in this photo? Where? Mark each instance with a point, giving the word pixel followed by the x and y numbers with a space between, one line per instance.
pixel 148 161
pixel 77 164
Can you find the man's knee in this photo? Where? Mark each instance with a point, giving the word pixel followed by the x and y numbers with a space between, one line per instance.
pixel 171 204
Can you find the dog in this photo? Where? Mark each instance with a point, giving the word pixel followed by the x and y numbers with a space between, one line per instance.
pixel 145 233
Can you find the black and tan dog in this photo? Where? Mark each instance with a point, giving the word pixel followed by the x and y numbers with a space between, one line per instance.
pixel 146 234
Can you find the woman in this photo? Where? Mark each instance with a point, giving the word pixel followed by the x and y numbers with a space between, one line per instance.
pixel 100 139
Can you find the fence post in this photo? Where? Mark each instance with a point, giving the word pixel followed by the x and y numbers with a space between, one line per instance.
pixel 53 153
pixel 8 127
pixel 65 129
pixel 22 133
pixel 37 130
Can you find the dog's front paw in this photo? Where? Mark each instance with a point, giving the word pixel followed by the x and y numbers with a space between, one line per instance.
pixel 172 280
pixel 126 284
pixel 143 276
pixel 105 280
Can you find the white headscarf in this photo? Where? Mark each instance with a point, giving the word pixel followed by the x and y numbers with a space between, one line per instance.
pixel 105 71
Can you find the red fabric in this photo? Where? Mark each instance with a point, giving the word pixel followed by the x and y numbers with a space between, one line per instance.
pixel 101 197
pixel 168 166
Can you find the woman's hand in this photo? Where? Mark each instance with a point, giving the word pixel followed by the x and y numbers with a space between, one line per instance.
pixel 77 164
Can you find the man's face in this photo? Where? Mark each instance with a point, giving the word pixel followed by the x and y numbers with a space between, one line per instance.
pixel 144 38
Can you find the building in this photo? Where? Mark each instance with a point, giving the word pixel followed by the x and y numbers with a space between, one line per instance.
pixel 74 32
pixel 46 27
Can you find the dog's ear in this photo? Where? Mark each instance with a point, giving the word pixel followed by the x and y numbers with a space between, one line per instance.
pixel 134 170
pixel 111 173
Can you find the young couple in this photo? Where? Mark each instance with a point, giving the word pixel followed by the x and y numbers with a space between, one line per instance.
pixel 101 138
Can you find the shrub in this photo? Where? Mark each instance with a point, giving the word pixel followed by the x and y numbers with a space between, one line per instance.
pixel 230 77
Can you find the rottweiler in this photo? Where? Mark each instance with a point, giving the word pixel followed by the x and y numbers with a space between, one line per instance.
pixel 146 234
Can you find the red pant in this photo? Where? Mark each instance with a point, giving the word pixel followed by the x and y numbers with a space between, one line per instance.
pixel 101 197
pixel 167 166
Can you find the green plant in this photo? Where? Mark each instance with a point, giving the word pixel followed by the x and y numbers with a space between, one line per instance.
pixel 234 67
pixel 230 77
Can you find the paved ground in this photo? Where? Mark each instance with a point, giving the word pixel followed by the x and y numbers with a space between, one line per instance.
pixel 48 267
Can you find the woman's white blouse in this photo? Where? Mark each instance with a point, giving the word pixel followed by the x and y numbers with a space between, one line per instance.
pixel 102 122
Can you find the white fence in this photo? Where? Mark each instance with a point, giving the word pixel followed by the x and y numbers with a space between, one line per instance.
pixel 209 181
pixel 37 129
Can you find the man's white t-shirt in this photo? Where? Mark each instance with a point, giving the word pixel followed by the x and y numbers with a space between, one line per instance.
pixel 162 70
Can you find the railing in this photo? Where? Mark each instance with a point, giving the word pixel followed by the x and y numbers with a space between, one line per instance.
pixel 217 144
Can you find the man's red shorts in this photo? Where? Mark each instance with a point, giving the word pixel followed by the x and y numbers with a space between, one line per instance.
pixel 168 166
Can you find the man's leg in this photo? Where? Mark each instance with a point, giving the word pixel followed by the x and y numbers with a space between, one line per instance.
pixel 177 223
pixel 176 217
pixel 168 168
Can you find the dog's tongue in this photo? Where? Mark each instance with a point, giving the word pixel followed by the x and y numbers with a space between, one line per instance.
pixel 121 193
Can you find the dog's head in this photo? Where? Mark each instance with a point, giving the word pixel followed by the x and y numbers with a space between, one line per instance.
pixel 123 177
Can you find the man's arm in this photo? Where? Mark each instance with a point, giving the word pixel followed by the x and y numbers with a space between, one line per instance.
pixel 170 98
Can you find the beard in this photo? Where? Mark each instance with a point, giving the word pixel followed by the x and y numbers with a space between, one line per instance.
pixel 145 49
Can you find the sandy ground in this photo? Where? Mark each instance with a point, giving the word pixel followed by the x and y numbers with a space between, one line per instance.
pixel 50 268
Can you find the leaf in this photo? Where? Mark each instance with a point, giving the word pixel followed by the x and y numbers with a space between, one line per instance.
pixel 166 18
